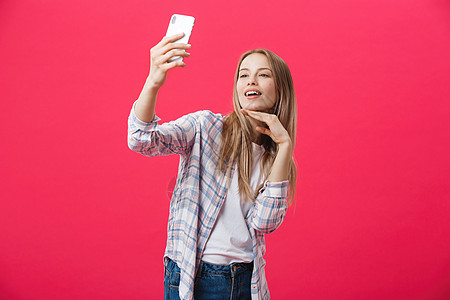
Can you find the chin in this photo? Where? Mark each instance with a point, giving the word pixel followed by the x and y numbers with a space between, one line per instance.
pixel 261 109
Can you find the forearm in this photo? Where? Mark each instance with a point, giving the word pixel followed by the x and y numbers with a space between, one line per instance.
pixel 270 206
pixel 145 105
pixel 282 164
pixel 271 203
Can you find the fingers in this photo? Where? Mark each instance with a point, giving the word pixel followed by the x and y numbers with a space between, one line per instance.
pixel 168 43
pixel 168 39
pixel 166 49
pixel 176 52
pixel 263 130
pixel 160 55
pixel 171 38
pixel 276 131
pixel 260 116
pixel 172 46
pixel 167 66
pixel 169 49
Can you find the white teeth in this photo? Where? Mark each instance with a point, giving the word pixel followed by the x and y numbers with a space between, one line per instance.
pixel 252 93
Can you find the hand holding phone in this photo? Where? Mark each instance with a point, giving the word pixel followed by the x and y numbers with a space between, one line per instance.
pixel 169 52
pixel 165 55
pixel 180 24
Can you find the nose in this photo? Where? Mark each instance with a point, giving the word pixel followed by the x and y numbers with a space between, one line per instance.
pixel 251 80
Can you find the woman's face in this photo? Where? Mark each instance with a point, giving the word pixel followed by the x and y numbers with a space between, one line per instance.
pixel 255 84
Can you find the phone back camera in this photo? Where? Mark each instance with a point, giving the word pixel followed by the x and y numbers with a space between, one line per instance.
pixel 174 19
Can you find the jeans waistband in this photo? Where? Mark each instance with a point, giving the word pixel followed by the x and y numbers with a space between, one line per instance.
pixel 234 268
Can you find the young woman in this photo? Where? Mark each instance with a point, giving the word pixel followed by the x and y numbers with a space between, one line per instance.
pixel 234 175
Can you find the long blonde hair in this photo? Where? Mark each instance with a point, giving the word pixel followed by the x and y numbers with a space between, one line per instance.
pixel 238 134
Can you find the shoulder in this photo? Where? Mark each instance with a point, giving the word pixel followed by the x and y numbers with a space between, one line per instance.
pixel 208 118
pixel 207 114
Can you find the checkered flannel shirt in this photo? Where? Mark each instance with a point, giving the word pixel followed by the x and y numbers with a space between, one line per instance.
pixel 200 192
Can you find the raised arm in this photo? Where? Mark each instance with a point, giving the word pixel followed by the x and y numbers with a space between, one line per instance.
pixel 271 203
pixel 282 164
pixel 159 66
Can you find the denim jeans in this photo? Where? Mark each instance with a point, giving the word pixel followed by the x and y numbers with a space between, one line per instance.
pixel 171 281
pixel 213 282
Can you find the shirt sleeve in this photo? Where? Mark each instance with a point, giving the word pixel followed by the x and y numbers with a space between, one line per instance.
pixel 270 206
pixel 152 139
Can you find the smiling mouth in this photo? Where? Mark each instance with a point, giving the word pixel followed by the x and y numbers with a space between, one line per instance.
pixel 252 93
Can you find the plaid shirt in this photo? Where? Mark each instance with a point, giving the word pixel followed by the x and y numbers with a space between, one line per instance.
pixel 200 192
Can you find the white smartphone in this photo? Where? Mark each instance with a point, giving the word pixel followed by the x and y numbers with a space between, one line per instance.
pixel 178 24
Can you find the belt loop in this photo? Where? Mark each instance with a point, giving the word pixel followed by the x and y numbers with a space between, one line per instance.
pixel 233 270
pixel 199 269
pixel 170 265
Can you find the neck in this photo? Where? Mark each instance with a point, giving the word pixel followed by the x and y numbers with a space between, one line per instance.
pixel 257 136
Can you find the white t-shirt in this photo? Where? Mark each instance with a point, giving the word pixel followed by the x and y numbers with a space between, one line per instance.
pixel 230 240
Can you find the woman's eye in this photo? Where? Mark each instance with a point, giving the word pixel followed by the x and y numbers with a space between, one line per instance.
pixel 264 75
pixel 243 75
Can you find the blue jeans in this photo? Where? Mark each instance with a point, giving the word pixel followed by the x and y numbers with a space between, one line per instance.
pixel 213 282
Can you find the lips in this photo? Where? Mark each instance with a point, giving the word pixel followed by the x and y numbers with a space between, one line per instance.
pixel 252 93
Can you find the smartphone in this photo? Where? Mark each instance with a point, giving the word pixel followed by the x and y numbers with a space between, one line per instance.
pixel 178 24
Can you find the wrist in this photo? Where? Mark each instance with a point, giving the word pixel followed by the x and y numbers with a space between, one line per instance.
pixel 286 147
pixel 151 85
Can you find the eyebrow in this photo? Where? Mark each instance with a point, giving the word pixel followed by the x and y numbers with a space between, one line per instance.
pixel 259 69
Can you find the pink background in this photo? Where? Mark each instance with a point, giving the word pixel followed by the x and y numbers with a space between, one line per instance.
pixel 83 217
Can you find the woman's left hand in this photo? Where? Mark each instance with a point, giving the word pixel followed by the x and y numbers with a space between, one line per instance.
pixel 276 130
pixel 282 163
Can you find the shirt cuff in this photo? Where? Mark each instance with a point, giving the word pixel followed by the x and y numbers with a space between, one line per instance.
pixel 139 123
pixel 277 189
